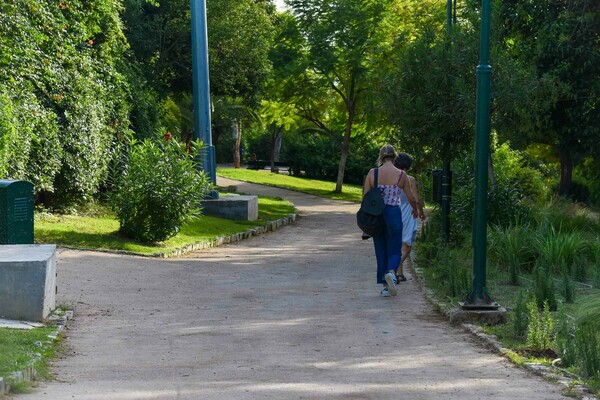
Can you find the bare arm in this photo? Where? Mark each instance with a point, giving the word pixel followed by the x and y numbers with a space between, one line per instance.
pixel 406 186
pixel 420 202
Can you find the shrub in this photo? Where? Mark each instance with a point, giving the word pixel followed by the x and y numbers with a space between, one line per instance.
pixel 568 288
pixel 560 250
pixel 66 104
pixel 541 327
pixel 544 287
pixel 564 341
pixel 511 248
pixel 565 215
pixel 454 276
pixel 518 189
pixel 158 189
pixel 588 350
pixel 519 317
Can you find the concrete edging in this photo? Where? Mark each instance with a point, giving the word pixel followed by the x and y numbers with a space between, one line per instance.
pixel 236 237
pixel 207 244
pixel 59 319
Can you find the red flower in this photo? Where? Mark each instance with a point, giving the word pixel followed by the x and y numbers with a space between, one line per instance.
pixel 168 136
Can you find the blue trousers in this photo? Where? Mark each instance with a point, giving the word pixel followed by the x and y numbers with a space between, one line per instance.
pixel 388 245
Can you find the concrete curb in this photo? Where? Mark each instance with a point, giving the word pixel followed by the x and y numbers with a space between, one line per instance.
pixel 236 237
pixel 59 319
pixel 571 385
pixel 218 241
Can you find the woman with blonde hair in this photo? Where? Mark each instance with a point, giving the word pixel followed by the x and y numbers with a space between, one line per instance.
pixel 388 244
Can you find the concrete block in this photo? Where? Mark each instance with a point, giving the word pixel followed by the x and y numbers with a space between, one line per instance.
pixel 242 208
pixel 27 281
pixel 487 317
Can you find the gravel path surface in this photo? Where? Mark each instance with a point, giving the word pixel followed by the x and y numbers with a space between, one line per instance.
pixel 293 314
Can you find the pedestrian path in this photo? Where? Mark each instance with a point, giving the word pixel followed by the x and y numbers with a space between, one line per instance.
pixel 293 314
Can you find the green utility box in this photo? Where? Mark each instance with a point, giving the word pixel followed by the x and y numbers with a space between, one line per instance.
pixel 16 212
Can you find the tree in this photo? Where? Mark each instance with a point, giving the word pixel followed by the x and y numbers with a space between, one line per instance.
pixel 561 38
pixel 239 38
pixel 341 39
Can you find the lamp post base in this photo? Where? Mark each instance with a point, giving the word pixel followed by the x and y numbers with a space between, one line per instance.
pixel 482 306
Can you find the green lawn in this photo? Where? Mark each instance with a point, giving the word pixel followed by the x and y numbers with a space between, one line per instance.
pixel 18 348
pixel 312 186
pixel 100 232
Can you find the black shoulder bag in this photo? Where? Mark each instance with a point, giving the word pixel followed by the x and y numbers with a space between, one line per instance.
pixel 369 217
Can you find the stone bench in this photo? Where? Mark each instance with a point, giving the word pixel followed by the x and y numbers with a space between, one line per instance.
pixel 241 208
pixel 259 164
pixel 27 281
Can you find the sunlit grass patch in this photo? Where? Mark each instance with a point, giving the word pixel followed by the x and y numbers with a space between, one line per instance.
pixel 311 186
pixel 18 347
pixel 101 232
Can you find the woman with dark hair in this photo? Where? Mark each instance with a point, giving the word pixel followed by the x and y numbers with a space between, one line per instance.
pixel 388 244
pixel 410 223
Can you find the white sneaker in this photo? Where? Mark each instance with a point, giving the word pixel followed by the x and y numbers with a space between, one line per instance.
pixel 390 278
pixel 385 292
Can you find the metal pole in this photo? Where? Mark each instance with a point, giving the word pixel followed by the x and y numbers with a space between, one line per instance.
pixel 446 182
pixel 202 107
pixel 479 298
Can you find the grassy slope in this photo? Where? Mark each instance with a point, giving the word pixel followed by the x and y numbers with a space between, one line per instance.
pixel 312 186
pixel 101 232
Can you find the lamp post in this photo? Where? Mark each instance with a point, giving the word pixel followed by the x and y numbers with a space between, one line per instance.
pixel 479 298
pixel 446 171
pixel 202 108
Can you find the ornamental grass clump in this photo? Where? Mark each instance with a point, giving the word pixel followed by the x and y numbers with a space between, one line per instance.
pixel 511 248
pixel 158 189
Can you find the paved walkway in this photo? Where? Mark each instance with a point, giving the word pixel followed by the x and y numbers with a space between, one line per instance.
pixel 288 315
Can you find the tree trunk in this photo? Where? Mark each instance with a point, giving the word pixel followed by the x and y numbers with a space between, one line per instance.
pixel 566 172
pixel 238 141
pixel 345 149
pixel 274 133
pixel 278 140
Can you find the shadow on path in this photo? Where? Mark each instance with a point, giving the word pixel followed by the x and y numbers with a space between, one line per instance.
pixel 293 314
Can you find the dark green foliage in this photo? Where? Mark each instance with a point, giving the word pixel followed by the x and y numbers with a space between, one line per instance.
pixel 564 341
pixel 158 189
pixel 560 38
pixel 62 95
pixel 317 155
pixel 240 34
pixel 519 316
pixel 544 287
pixel 568 288
pixel 518 188
pixel 454 277
pixel 511 248
pixel 558 250
pixel 588 350
pixel 580 270
pixel 596 272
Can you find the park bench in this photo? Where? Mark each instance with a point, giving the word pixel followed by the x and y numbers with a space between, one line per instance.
pixel 260 164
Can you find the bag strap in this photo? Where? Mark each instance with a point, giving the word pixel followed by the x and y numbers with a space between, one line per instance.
pixel 376 172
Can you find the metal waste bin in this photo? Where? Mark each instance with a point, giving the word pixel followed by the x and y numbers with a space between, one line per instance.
pixel 16 212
